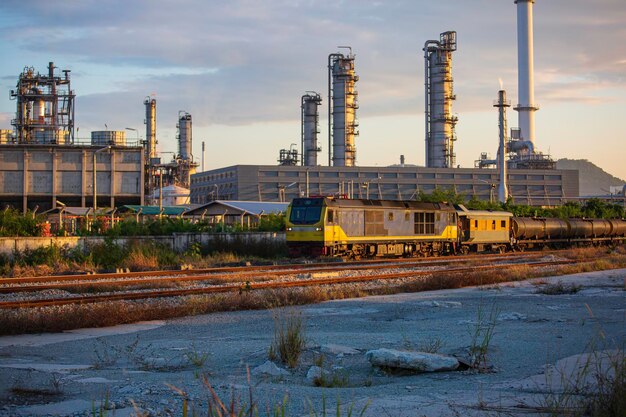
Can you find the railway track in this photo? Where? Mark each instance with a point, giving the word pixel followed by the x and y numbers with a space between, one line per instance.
pixel 74 282
pixel 245 284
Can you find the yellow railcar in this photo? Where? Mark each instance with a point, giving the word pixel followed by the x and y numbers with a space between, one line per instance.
pixel 364 228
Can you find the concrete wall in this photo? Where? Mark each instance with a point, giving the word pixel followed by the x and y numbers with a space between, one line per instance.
pixel 179 242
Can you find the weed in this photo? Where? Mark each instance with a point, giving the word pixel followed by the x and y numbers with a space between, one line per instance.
pixel 289 338
pixel 323 412
pixel 432 345
pixel 558 288
pixel 196 358
pixel 332 379
pixel 105 355
pixel 481 333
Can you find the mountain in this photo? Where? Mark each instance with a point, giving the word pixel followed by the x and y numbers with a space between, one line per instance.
pixel 593 179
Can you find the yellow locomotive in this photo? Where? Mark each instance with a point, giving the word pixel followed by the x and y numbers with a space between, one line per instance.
pixel 325 226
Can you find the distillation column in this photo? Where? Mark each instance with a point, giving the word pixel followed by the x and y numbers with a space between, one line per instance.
pixel 309 126
pixel 342 105
pixel 184 135
pixel 151 141
pixel 525 72
pixel 440 122
pixel 502 104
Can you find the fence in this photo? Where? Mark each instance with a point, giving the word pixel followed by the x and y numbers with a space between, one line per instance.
pixel 179 242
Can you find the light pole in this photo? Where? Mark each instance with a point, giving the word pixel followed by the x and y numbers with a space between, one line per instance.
pixel 367 187
pixel 95 194
pixel 492 187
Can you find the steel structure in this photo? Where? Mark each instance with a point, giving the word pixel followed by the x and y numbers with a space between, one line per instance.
pixel 342 106
pixel 502 103
pixel 309 120
pixel 45 107
pixel 440 122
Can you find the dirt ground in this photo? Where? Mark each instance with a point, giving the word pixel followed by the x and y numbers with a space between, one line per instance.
pixel 537 344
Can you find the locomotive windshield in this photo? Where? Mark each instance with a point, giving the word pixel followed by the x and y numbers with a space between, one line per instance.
pixel 306 210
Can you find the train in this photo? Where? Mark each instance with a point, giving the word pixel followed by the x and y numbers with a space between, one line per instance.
pixel 359 228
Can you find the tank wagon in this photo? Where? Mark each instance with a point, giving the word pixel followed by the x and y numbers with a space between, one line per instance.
pixel 539 231
pixel 325 226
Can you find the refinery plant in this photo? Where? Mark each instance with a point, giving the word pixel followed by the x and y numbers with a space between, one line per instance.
pixel 44 164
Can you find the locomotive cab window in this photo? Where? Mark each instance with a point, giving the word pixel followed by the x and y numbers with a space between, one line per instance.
pixel 503 224
pixel 331 216
pixel 493 225
pixel 475 224
pixel 424 223
pixel 305 211
pixel 390 216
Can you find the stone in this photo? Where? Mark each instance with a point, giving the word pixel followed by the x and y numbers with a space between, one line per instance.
pixel 269 368
pixel 314 372
pixel 413 361
pixel 338 349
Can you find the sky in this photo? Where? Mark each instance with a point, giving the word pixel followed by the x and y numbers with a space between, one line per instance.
pixel 239 67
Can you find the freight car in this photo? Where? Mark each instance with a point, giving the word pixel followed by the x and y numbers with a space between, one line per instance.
pixel 325 226
pixel 529 232
pixel 363 228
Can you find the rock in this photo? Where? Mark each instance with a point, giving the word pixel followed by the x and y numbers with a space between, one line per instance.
pixel 269 368
pixel 414 361
pixel 314 372
pixel 511 317
pixel 338 350
pixel 441 304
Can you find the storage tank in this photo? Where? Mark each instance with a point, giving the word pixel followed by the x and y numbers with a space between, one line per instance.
pixel 184 135
pixel 108 137
pixel 619 227
pixel 51 137
pixel 309 125
pixel 580 228
pixel 601 227
pixel 6 136
pixel 528 228
pixel 556 228
pixel 342 105
pixel 440 122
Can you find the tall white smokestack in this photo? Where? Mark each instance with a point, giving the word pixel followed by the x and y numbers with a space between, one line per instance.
pixel 525 70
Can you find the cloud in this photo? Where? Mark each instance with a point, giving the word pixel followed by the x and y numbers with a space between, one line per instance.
pixel 240 61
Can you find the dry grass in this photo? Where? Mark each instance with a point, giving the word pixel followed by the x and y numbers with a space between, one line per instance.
pixel 289 337
pixel 120 312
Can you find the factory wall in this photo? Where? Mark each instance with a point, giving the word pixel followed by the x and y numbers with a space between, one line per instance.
pixel 40 175
pixel 276 183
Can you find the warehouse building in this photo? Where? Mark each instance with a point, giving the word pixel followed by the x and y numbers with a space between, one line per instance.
pixel 283 183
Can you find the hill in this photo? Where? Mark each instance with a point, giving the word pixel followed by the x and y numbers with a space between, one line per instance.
pixel 593 179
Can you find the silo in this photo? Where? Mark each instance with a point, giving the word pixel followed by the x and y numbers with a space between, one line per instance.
pixel 309 125
pixel 151 141
pixel 184 135
pixel 439 94
pixel 342 105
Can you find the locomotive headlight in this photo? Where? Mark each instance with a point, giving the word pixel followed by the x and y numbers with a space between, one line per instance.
pixel 289 229
pixel 318 229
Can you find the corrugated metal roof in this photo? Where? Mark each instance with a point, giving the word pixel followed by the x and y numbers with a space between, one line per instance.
pixel 252 207
pixel 154 210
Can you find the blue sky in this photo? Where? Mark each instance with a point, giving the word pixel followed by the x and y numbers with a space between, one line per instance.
pixel 240 66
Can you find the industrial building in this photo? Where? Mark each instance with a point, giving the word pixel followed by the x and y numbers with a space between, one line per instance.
pixel 43 165
pixel 282 183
